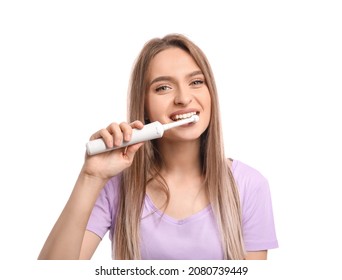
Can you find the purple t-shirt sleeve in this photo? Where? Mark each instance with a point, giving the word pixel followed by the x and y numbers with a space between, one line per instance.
pixel 101 219
pixel 257 214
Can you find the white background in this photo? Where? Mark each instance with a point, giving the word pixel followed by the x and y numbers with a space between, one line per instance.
pixel 64 71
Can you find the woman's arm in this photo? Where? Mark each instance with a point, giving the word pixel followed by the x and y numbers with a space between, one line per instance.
pixel 257 255
pixel 68 238
pixel 89 245
pixel 65 239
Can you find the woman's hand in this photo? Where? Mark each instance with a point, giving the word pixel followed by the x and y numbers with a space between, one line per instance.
pixel 108 164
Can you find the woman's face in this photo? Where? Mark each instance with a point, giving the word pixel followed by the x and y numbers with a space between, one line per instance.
pixel 176 90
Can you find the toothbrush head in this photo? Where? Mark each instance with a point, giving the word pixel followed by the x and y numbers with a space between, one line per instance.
pixel 195 118
pixel 192 119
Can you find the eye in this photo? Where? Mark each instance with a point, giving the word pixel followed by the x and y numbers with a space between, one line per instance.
pixel 197 82
pixel 162 88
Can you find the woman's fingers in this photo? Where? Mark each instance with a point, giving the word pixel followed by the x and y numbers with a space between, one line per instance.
pixel 106 165
pixel 137 124
pixel 115 130
pixel 105 135
pixel 116 133
pixel 126 131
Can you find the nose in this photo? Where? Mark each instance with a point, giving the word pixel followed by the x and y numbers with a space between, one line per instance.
pixel 182 97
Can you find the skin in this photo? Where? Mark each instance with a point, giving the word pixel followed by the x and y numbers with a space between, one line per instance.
pixel 175 85
pixel 178 85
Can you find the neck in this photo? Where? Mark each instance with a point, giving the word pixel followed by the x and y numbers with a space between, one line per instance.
pixel 181 157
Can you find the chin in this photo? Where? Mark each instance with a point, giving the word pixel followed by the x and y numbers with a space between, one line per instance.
pixel 188 136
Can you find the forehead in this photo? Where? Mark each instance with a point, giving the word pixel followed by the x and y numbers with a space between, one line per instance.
pixel 172 61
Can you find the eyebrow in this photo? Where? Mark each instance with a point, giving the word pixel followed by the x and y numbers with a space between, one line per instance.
pixel 169 78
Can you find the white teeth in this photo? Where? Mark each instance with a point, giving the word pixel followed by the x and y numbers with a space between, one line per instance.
pixel 183 116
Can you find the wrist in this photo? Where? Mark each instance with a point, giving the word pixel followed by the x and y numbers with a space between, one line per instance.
pixel 91 180
pixel 94 171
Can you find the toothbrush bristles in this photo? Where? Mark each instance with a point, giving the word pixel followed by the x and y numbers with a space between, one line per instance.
pixel 192 119
pixel 195 118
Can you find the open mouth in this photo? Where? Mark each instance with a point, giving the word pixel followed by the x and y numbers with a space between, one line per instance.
pixel 183 116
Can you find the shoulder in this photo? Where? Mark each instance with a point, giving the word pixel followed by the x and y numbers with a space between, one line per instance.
pixel 248 179
pixel 246 173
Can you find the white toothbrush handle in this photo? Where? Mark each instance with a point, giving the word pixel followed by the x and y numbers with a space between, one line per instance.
pixel 148 132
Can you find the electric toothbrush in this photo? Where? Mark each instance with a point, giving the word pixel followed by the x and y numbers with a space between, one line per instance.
pixel 148 132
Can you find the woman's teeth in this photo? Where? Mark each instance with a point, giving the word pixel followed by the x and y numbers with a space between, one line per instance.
pixel 183 116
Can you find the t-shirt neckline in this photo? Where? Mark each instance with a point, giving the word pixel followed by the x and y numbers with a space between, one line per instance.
pixel 170 219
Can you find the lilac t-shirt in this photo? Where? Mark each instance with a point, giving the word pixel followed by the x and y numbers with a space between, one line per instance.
pixel 195 237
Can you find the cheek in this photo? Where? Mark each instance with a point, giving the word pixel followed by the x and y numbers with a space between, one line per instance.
pixel 152 108
pixel 148 106
pixel 207 112
pixel 207 105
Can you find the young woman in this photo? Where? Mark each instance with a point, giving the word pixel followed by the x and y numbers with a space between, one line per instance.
pixel 177 197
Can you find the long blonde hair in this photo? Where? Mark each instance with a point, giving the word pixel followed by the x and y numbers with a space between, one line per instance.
pixel 218 179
